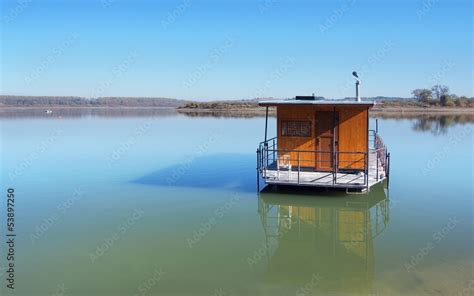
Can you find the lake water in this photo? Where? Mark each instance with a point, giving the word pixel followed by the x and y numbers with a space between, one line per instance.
pixel 158 203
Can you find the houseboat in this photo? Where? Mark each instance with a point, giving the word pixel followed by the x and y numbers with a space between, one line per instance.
pixel 322 143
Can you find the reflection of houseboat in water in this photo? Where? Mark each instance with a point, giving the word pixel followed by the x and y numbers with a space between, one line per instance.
pixel 322 245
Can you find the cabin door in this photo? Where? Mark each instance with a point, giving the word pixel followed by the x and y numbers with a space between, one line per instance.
pixel 326 143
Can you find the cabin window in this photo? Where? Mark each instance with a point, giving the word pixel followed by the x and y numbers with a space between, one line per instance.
pixel 290 128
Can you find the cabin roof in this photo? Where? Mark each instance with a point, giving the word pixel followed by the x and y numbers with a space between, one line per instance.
pixel 316 102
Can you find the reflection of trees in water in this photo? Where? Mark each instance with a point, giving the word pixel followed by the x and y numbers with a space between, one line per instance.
pixel 226 113
pixel 86 112
pixel 436 124
pixel 439 124
pixel 125 112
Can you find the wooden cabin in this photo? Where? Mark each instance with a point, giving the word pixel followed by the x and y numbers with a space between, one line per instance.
pixel 322 143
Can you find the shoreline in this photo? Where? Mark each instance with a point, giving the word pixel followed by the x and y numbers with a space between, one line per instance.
pixel 43 108
pixel 422 110
pixel 249 111
pixel 373 110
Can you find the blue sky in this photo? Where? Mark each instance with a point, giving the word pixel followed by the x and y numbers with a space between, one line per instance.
pixel 234 49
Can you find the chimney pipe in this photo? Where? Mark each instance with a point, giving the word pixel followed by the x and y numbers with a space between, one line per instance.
pixel 357 91
pixel 357 85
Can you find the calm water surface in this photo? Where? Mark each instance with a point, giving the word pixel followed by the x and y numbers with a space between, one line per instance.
pixel 166 204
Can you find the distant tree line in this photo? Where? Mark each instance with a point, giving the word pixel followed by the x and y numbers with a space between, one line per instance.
pixel 380 99
pixel 46 101
pixel 439 95
pixel 221 105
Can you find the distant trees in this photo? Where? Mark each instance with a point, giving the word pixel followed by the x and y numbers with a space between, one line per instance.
pixel 439 95
pixel 446 100
pixel 423 95
pixel 31 101
pixel 463 101
pixel 222 105
pixel 439 91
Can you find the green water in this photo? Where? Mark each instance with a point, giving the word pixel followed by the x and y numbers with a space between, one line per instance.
pixel 151 203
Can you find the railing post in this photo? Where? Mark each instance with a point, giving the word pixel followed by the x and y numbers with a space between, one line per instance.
pixel 266 155
pixel 258 171
pixel 298 167
pixel 258 158
pixel 265 143
pixel 367 170
pixel 388 165
pixel 273 149
pixel 377 165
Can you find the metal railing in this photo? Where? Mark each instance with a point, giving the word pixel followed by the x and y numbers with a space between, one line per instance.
pixel 269 157
pixel 377 145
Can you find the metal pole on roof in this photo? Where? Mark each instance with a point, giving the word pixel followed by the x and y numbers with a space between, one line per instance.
pixel 357 91
pixel 357 85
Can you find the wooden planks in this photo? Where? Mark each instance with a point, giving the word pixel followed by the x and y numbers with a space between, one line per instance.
pixel 351 135
pixel 353 132
pixel 285 143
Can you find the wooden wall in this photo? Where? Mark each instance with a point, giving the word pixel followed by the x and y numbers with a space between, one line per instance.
pixel 300 113
pixel 353 127
pixel 352 134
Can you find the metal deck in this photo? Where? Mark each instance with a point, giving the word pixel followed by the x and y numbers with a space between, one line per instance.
pixel 325 179
pixel 374 168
